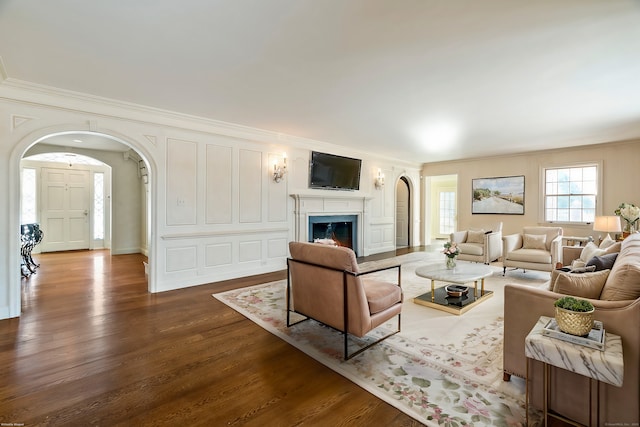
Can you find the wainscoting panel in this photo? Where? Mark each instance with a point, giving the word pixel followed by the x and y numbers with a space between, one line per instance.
pixel 250 251
pixel 250 186
pixel 181 259
pixel 218 186
pixel 276 194
pixel 277 248
pixel 218 254
pixel 376 237
pixel 181 182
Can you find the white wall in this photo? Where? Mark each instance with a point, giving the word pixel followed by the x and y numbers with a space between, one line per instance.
pixel 216 213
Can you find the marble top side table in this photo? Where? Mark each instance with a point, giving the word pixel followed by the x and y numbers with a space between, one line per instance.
pixel 602 366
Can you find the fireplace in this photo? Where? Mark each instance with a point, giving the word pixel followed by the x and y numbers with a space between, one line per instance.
pixel 342 229
pixel 335 208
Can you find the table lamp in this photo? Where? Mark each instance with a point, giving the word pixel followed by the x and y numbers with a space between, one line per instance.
pixel 610 224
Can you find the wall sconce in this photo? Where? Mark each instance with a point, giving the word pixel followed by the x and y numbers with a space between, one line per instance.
pixel 379 180
pixel 280 170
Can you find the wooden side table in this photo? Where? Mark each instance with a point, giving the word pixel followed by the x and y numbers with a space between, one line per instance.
pixel 601 366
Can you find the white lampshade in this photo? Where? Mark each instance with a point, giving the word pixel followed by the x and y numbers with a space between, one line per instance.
pixel 610 224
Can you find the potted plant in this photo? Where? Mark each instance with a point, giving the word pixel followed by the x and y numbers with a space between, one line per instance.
pixel 574 316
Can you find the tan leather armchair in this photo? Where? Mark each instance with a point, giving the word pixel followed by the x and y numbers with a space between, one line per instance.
pixel 536 248
pixel 324 284
pixel 479 245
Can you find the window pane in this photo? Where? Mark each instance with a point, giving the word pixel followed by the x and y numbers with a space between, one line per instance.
pixel 98 206
pixel 447 212
pixel 589 187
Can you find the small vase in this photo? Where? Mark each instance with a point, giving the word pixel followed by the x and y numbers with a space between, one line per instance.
pixel 451 263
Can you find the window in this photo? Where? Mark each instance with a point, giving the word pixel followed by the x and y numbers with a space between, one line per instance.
pixel 98 206
pixel 447 212
pixel 570 194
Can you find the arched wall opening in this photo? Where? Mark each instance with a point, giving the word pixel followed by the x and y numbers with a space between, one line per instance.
pixel 404 212
pixel 95 138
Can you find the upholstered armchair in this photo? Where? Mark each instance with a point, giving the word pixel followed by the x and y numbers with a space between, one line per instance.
pixel 484 245
pixel 324 284
pixel 536 248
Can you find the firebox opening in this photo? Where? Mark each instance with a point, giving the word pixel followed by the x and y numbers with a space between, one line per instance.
pixel 342 229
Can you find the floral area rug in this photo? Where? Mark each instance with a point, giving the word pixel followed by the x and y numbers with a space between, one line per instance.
pixel 441 369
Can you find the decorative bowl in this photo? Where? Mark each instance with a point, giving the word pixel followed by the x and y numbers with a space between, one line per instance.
pixel 456 290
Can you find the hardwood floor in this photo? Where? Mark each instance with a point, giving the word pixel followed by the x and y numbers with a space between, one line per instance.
pixel 93 347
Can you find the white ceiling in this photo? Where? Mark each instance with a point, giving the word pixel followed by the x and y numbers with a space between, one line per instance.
pixel 420 80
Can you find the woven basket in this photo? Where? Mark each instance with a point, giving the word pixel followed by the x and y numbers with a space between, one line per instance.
pixel 574 322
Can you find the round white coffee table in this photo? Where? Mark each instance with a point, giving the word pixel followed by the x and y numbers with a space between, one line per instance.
pixel 460 275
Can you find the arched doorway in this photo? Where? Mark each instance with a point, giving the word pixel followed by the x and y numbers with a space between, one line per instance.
pixel 403 213
pixel 69 195
pixel 82 141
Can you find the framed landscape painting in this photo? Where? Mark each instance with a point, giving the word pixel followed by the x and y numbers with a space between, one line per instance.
pixel 501 195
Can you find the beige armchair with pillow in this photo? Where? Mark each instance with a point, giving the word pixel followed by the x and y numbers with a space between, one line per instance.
pixel 536 248
pixel 483 245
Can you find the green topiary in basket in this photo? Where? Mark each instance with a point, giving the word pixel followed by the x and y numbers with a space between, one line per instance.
pixel 574 316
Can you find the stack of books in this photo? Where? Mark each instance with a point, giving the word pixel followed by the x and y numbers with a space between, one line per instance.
pixel 595 338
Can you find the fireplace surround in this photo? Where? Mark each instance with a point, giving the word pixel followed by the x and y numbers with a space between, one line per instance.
pixel 312 209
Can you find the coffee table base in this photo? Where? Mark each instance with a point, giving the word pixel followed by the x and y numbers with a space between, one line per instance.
pixel 442 301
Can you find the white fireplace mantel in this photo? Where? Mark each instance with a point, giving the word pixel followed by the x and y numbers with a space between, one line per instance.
pixel 341 203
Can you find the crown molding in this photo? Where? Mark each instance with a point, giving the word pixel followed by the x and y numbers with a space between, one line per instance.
pixel 63 99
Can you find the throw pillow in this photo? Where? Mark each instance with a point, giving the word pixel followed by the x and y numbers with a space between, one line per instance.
pixel 603 262
pixel 606 242
pixel 624 283
pixel 586 285
pixel 475 236
pixel 554 276
pixel 534 241
pixel 616 247
pixel 589 251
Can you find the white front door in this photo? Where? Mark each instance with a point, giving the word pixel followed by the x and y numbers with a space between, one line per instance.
pixel 65 209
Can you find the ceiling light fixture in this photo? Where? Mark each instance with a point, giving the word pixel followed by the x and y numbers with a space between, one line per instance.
pixel 438 136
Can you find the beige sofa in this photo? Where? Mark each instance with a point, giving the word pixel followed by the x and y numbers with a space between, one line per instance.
pixel 618 307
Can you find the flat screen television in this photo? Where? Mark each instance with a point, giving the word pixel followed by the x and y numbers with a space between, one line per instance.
pixel 334 172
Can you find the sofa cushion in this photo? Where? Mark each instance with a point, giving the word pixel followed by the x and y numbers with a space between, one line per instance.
pixel 585 285
pixel 475 236
pixel 624 281
pixel 530 255
pixel 534 241
pixel 471 248
pixel 603 262
pixel 381 295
